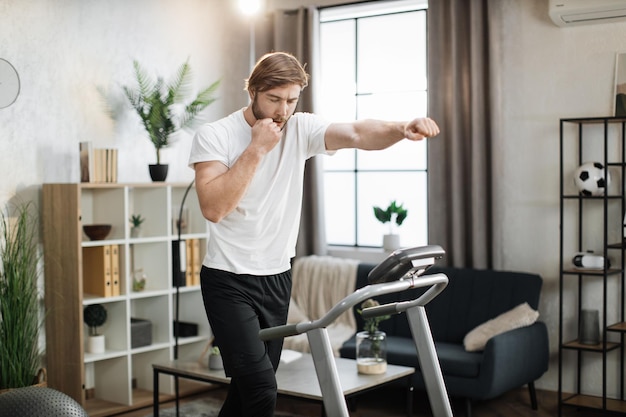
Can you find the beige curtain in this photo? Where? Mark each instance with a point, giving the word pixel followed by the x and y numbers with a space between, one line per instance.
pixel 463 98
pixel 295 31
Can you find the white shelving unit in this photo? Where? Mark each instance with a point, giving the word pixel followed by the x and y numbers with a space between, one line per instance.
pixel 121 377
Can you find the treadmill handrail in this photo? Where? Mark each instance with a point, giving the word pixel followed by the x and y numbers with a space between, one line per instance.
pixel 437 282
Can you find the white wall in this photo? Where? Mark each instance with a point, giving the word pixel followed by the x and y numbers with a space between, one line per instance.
pixel 549 73
pixel 64 49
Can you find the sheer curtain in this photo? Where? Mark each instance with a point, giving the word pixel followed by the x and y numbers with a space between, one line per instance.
pixel 463 42
pixel 296 31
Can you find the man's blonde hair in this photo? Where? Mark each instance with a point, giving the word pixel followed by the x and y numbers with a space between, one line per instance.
pixel 276 69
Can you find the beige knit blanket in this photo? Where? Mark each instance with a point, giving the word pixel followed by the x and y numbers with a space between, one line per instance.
pixel 320 282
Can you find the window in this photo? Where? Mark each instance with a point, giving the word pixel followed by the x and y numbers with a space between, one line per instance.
pixel 373 65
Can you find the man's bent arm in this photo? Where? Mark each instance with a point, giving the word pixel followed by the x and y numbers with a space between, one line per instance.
pixel 219 188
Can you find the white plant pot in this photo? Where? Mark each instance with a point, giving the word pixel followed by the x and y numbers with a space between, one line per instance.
pixel 95 344
pixel 391 242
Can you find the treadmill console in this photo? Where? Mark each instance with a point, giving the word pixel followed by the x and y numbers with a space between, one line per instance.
pixel 404 261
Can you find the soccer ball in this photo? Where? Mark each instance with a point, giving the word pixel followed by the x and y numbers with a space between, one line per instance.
pixel 589 179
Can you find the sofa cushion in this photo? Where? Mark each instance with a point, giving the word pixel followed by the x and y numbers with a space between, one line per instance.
pixel 456 361
pixel 517 317
pixel 453 358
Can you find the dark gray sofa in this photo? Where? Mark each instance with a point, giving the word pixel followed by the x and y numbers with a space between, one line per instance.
pixel 509 360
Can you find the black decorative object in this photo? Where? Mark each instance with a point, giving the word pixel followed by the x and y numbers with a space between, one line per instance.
pixel 177 273
pixel 589 331
pixel 140 332
pixel 185 329
pixel 158 172
pixel 95 315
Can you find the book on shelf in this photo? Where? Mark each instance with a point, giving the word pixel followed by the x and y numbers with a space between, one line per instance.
pixel 98 270
pixel 97 165
pixel 87 173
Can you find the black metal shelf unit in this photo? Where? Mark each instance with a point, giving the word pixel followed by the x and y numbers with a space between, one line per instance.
pixel 602 138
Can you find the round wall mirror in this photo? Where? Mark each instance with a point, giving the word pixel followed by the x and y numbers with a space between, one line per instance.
pixel 9 84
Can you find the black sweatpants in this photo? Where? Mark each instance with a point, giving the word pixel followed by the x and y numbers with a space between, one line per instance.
pixel 237 307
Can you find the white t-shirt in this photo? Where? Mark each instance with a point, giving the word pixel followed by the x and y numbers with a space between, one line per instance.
pixel 259 236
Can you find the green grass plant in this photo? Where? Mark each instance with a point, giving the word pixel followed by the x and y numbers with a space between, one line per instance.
pixel 20 322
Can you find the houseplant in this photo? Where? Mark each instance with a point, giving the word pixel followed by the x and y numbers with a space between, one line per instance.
pixel 95 315
pixel 371 343
pixel 215 358
pixel 164 108
pixel 20 320
pixel 394 213
pixel 136 220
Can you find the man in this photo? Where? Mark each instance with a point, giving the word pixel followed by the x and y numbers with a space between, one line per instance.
pixel 249 174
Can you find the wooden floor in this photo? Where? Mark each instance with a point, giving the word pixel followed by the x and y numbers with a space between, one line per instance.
pixel 390 402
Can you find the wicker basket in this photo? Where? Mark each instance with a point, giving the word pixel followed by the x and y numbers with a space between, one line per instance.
pixel 40 380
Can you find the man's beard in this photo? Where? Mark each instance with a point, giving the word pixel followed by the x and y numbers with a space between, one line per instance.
pixel 258 114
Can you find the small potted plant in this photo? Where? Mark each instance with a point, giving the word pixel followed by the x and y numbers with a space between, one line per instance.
pixel 215 358
pixel 163 110
pixel 139 280
pixel 371 343
pixel 136 220
pixel 95 315
pixel 394 214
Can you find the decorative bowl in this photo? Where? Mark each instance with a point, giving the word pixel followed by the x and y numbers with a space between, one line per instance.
pixel 97 231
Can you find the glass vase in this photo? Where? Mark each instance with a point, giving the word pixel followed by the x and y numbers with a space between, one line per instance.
pixel 371 352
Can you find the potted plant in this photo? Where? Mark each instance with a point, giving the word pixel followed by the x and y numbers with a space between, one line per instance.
pixel 95 315
pixel 371 343
pixel 215 358
pixel 139 280
pixel 156 102
pixel 394 213
pixel 20 319
pixel 136 220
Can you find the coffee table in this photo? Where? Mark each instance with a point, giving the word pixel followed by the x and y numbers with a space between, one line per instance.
pixel 295 379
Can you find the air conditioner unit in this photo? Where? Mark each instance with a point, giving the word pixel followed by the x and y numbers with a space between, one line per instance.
pixel 583 12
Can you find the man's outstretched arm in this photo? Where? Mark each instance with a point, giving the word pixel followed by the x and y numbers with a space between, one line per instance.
pixel 377 134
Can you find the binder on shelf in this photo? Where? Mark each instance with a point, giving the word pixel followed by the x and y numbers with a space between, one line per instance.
pixel 197 261
pixel 189 260
pixel 97 278
pixel 178 263
pixel 115 270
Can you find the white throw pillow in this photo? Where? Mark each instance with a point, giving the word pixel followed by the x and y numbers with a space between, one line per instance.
pixel 520 316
